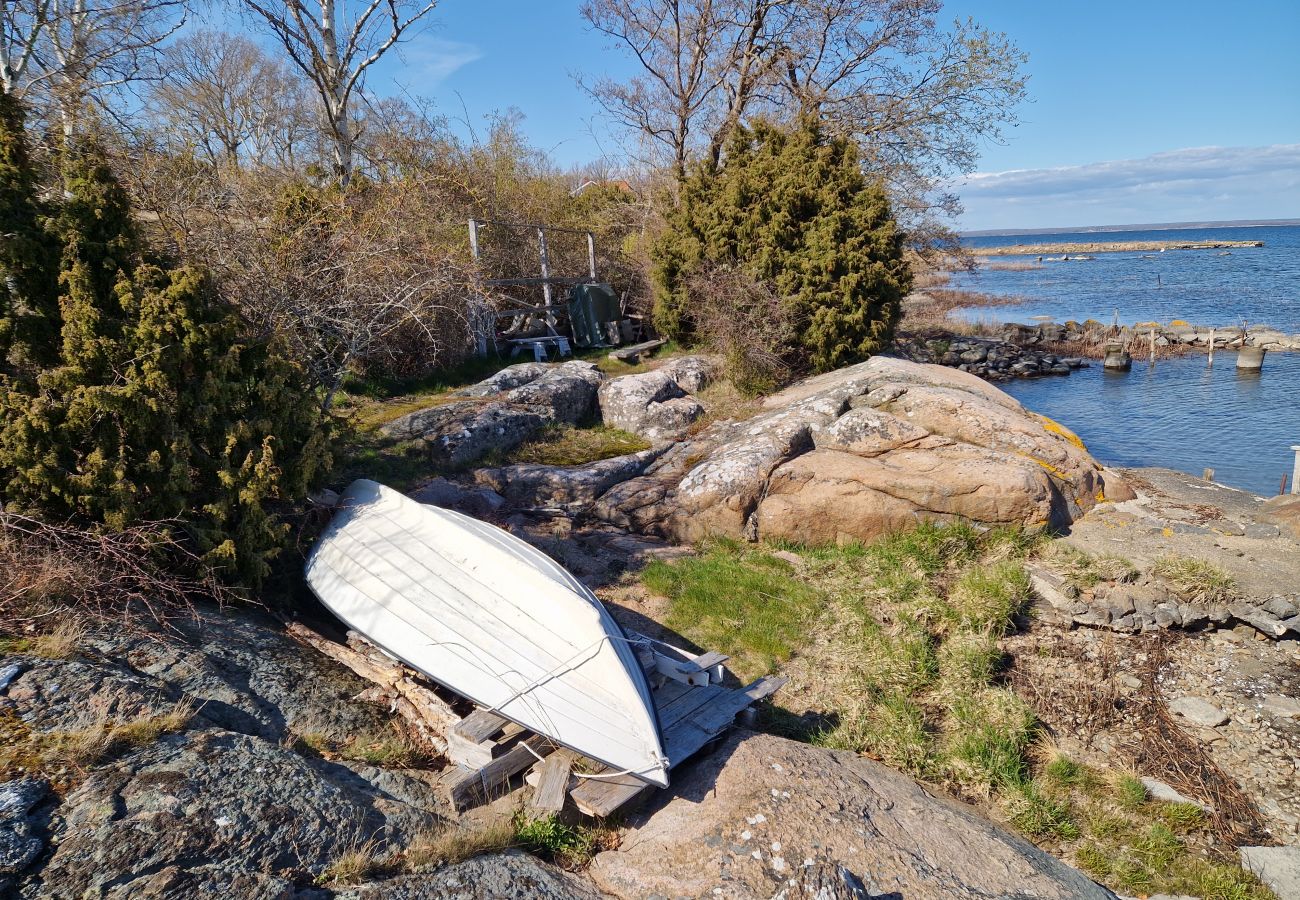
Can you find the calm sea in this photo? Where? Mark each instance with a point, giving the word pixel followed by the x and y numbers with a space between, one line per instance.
pixel 1179 414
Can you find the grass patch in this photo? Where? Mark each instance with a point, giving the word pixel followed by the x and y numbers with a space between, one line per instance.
pixel 907 670
pixel 61 642
pixel 1196 580
pixel 58 753
pixel 390 747
pixel 568 846
pixel 565 445
pixel 743 602
pixel 1084 570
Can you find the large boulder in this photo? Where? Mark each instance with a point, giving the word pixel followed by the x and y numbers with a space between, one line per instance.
pixel 506 410
pixel 564 393
pixel 750 819
pixel 853 453
pixel 460 433
pixel 541 485
pixel 657 404
pixel 1284 512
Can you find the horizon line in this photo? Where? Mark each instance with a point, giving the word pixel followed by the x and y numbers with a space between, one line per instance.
pixel 1137 226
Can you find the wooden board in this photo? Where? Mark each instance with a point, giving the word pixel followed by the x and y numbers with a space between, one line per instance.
pixel 479 725
pixel 689 721
pixel 553 781
pixel 632 353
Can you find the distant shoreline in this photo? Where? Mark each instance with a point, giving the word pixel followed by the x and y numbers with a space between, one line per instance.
pixel 1110 229
pixel 1109 247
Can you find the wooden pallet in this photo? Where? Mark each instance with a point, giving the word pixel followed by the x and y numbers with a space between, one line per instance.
pixel 487 751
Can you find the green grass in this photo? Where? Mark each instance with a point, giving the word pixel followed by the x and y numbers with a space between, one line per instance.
pixel 908 635
pixel 743 602
pixel 1084 570
pixel 568 846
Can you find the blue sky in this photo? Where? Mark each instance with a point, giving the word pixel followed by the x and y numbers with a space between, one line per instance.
pixel 1140 111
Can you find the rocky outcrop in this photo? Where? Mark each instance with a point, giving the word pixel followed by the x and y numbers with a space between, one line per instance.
pixel 213 810
pixel 991 358
pixel 507 409
pixel 853 453
pixel 540 485
pixel 226 806
pixel 657 405
pixel 499 876
pixel 751 819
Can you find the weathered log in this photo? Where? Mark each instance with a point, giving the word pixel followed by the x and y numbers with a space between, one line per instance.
pixel 430 716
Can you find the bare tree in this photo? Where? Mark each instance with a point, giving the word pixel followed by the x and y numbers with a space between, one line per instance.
pixel 232 102
pixel 918 97
pixel 334 43
pixel 702 61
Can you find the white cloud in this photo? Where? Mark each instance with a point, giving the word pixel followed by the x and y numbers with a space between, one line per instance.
pixel 1193 183
pixel 428 60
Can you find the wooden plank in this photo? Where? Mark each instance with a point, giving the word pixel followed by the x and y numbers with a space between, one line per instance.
pixel 632 353
pixel 471 787
pixel 480 725
pixel 464 752
pixel 689 732
pixel 553 781
pixel 694 731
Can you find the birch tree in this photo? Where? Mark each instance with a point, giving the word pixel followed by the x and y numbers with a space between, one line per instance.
pixel 22 25
pixel 93 48
pixel 334 43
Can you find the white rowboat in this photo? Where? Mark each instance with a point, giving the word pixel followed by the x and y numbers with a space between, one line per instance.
pixel 493 619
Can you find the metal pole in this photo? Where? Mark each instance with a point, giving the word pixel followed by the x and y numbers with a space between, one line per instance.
pixel 1295 476
pixel 473 239
pixel 591 254
pixel 1211 363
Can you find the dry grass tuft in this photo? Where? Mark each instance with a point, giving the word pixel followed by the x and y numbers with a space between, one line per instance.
pixel 1195 579
pixel 453 843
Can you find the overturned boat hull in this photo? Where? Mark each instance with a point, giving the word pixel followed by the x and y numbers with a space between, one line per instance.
pixel 490 617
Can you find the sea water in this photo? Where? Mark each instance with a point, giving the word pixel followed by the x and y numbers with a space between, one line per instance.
pixel 1181 413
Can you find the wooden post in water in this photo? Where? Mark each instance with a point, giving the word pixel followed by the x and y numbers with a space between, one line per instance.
pixel 1282 487
pixel 1211 363
pixel 1153 346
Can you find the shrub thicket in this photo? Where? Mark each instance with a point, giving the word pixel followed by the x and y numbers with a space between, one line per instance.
pixel 792 210
pixel 152 405
pixel 27 292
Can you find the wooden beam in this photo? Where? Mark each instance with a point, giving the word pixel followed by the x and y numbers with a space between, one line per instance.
pixel 692 726
pixel 469 787
pixel 553 781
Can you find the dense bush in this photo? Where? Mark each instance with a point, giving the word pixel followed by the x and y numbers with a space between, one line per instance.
pixel 791 210
pixel 28 297
pixel 152 405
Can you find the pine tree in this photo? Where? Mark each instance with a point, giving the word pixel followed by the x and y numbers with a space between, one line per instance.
pixel 156 408
pixel 28 306
pixel 791 209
